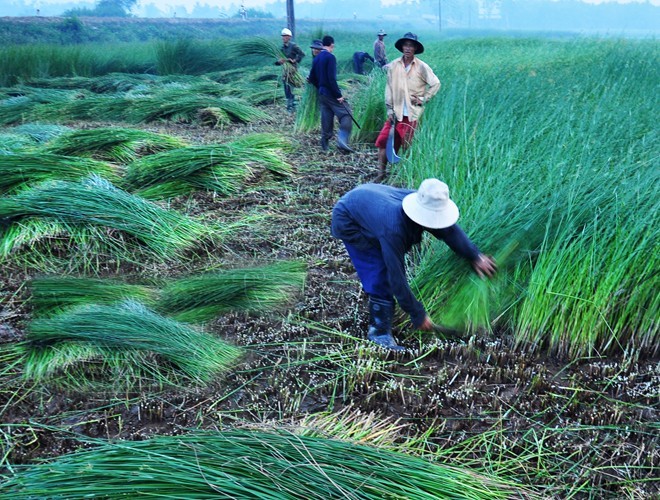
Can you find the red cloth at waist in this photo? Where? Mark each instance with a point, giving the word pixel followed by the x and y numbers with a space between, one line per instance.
pixel 404 129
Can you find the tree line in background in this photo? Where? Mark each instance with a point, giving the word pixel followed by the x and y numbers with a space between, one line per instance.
pixel 542 15
pixel 105 8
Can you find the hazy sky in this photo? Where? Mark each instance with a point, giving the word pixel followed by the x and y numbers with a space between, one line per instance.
pixel 164 4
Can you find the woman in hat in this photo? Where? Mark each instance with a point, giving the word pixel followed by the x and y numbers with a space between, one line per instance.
pixel 410 84
pixel 379 224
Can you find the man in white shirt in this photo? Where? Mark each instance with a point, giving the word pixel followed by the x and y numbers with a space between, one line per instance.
pixel 410 84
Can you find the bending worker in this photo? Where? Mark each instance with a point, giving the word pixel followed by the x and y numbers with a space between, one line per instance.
pixel 379 224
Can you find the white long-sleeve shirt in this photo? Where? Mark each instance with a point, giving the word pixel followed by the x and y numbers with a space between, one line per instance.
pixel 418 80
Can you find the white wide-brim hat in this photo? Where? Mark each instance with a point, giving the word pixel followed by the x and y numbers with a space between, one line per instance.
pixel 430 205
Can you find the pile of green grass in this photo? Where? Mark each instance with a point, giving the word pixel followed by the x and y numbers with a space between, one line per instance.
pixel 41 132
pixel 21 170
pixel 250 464
pixel 192 299
pixel 24 104
pixel 11 142
pixel 121 344
pixel 182 105
pixel 52 295
pixel 222 168
pixel 176 102
pixel 204 297
pixel 115 144
pixel 95 209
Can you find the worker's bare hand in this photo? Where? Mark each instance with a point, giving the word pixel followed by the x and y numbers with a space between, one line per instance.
pixel 427 325
pixel 484 266
pixel 340 100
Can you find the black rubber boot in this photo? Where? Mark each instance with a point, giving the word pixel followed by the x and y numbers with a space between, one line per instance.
pixel 342 141
pixel 291 104
pixel 380 327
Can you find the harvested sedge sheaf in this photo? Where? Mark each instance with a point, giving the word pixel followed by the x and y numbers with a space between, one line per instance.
pixel 191 299
pixel 270 49
pixel 222 168
pixel 309 112
pixel 96 202
pixel 205 297
pixel 41 133
pixel 103 84
pixel 180 104
pixel 174 104
pixel 23 169
pixel 256 464
pixel 53 294
pixel 127 326
pixel 116 144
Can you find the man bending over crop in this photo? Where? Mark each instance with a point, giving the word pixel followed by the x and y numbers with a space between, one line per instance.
pixel 379 224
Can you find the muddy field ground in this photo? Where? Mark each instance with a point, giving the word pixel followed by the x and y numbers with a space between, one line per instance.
pixel 596 418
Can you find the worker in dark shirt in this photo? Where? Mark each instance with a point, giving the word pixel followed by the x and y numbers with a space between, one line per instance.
pixel 359 59
pixel 379 224
pixel 323 76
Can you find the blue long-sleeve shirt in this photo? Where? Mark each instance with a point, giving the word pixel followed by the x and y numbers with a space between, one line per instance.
pixel 323 74
pixel 372 216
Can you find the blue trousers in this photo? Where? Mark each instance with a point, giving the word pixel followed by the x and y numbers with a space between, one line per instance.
pixel 371 270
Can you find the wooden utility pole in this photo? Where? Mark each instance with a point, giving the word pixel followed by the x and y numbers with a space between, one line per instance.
pixel 439 15
pixel 290 17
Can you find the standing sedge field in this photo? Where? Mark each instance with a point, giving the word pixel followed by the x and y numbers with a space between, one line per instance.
pixel 556 164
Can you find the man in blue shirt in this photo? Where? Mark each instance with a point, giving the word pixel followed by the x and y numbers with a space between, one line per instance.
pixel 359 58
pixel 323 76
pixel 379 224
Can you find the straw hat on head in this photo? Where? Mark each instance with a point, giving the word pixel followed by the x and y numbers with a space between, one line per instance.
pixel 430 205
pixel 287 32
pixel 411 37
pixel 381 33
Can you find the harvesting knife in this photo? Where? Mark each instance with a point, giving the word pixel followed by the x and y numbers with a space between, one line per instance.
pixel 392 157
